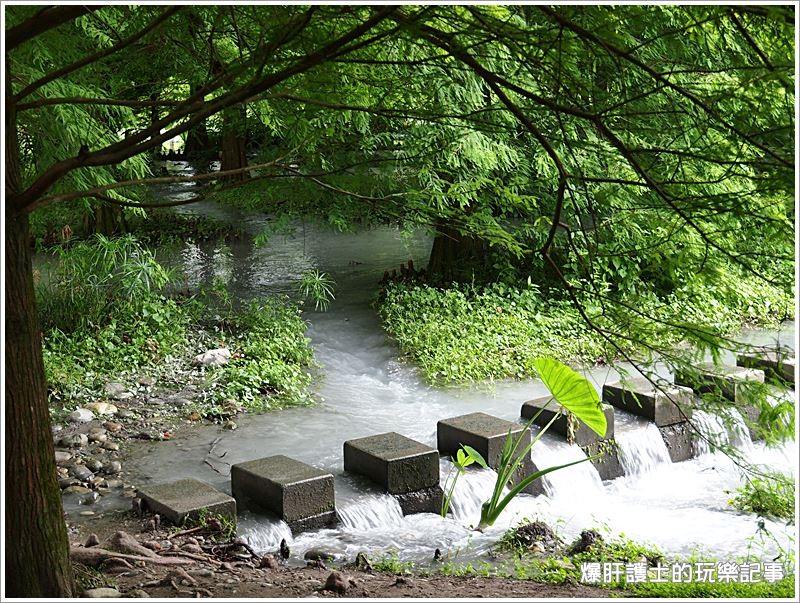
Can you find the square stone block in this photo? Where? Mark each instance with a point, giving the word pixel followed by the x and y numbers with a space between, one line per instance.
pixel 397 463
pixel 678 439
pixel 486 434
pixel 731 381
pixel 428 500
pixel 608 465
pixel 187 499
pixel 778 366
pixel 583 435
pixel 298 493
pixel 640 397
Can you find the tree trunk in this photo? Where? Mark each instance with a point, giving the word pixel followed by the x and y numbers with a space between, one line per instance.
pixel 197 142
pixel 233 155
pixel 454 255
pixel 37 550
pixel 106 219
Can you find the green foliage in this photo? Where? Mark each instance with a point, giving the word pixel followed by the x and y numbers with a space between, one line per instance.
pixel 465 456
pixel 575 395
pixel 782 589
pixel 770 495
pixel 317 287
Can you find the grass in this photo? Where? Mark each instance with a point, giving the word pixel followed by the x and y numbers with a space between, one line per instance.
pixel 466 333
pixel 105 318
pixel 772 496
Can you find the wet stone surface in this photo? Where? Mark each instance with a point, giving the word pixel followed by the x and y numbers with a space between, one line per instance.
pixel 678 438
pixel 298 493
pixel 186 498
pixel 396 463
pixel 665 405
pixel 774 364
pixel 731 381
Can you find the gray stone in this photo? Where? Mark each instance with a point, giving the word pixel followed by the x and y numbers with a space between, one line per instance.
pixel 664 405
pixel 678 439
pixel 112 468
pixel 102 593
pixel 94 465
pixel 428 500
pixel 76 440
pixel 115 389
pixel 298 493
pixel 608 464
pixel 775 364
pixel 81 472
pixel 216 357
pixel 146 381
pixel 486 434
pixel 731 381
pixel 63 457
pixel 76 490
pixel 186 498
pixel 81 415
pixel 583 435
pixel 396 463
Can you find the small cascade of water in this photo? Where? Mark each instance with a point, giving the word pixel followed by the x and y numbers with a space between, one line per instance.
pixel 641 449
pixel 472 489
pixel 369 511
pixel 576 480
pixel 265 535
pixel 716 433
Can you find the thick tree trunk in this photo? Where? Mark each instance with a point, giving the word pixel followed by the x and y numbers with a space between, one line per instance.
pixel 37 550
pixel 106 220
pixel 233 155
pixel 197 142
pixel 454 255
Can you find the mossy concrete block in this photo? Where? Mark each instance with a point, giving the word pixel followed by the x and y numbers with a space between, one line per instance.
pixel 583 435
pixel 731 381
pixel 678 439
pixel 607 464
pixel 777 365
pixel 486 434
pixel 396 463
pixel 664 405
pixel 428 500
pixel 301 495
pixel 187 499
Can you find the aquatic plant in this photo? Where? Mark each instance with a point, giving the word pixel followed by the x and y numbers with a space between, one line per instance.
pixel 316 286
pixel 465 456
pixel 771 495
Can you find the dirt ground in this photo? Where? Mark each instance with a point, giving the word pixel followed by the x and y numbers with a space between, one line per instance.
pixel 201 566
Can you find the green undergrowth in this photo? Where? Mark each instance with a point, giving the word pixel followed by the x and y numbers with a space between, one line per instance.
pixel 771 495
pixel 468 332
pixel 105 317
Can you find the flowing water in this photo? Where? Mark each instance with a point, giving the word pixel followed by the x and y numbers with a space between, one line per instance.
pixel 364 387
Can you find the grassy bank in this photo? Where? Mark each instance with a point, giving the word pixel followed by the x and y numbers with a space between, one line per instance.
pixel 470 333
pixel 106 318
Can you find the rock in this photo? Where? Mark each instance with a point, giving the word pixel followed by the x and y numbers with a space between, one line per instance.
pixel 81 472
pixel 194 416
pixel 94 465
pixel 139 594
pixel 268 562
pixel 587 540
pixel 81 415
pixel 203 572
pixel 146 381
pixel 63 457
pixel 112 426
pixel 112 468
pixel 101 408
pixel 535 533
pixel 76 490
pixel 77 440
pixel 110 446
pixel 90 498
pixel 216 357
pixel 192 548
pixel 56 427
pixel 178 401
pixel 66 482
pixel 92 540
pixel 336 583
pixel 317 554
pixel 86 513
pixel 114 483
pixel 114 390
pixel 98 436
pixel 102 593
pixel 124 413
pixel 230 425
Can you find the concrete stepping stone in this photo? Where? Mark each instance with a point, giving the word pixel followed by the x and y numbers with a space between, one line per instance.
pixel 661 405
pixel 486 434
pixel 403 467
pixel 678 439
pixel 780 366
pixel 301 495
pixel 186 499
pixel 608 465
pixel 731 381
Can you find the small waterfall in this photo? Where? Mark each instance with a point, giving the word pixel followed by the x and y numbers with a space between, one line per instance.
pixel 641 449
pixel 572 481
pixel 369 511
pixel 472 489
pixel 717 434
pixel 265 535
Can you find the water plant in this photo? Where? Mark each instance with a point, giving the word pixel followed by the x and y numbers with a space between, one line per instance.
pixel 575 395
pixel 317 286
pixel 465 456
pixel 771 495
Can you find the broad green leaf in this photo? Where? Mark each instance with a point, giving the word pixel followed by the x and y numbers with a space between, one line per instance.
pixel 573 392
pixel 476 456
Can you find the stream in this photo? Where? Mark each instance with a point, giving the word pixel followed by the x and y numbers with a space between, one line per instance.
pixel 364 387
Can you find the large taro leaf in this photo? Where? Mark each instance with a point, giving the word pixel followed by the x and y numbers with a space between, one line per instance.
pixel 573 392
